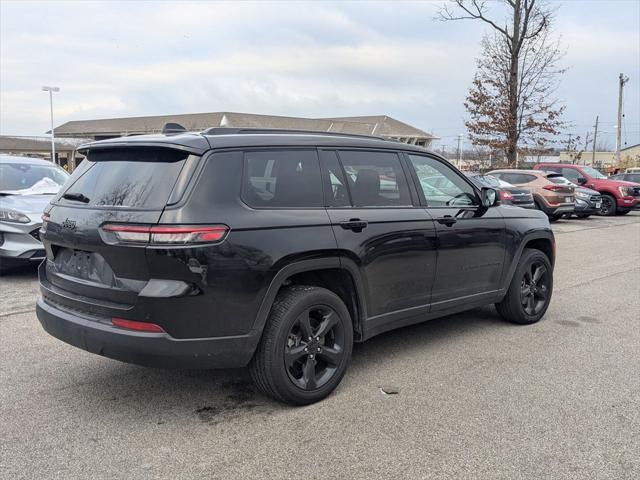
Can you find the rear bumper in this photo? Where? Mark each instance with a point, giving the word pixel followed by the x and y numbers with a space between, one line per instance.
pixel 98 336
pixel 559 209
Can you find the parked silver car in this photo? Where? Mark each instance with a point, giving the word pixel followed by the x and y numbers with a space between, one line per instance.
pixel 26 187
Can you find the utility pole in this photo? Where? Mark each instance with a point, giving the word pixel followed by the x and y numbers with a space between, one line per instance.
pixel 586 145
pixel 459 151
pixel 595 139
pixel 53 140
pixel 621 81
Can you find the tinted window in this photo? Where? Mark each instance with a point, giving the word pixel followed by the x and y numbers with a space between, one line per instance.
pixel 517 178
pixel 375 179
pixel 282 179
pixel 335 184
pixel 441 185
pixel 139 178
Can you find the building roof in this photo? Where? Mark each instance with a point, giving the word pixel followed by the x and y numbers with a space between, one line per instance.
pixel 630 147
pixel 381 125
pixel 37 144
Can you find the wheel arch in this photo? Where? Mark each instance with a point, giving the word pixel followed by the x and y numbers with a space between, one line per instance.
pixel 337 274
pixel 541 240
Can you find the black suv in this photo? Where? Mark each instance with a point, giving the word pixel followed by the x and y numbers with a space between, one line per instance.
pixel 276 250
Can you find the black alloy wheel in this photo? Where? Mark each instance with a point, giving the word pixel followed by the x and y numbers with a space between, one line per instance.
pixel 534 288
pixel 529 293
pixel 608 206
pixel 315 347
pixel 305 347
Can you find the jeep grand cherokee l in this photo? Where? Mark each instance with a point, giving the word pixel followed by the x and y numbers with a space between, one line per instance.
pixel 276 250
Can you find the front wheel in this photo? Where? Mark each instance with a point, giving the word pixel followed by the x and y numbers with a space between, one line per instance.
pixel 305 347
pixel 530 290
pixel 608 207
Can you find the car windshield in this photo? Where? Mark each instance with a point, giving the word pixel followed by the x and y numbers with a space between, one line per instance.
pixel 593 173
pixel 31 179
pixel 485 181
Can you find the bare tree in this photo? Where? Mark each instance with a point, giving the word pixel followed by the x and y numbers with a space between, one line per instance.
pixel 510 101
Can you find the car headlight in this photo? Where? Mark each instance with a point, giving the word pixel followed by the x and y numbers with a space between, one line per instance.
pixel 582 195
pixel 626 191
pixel 7 215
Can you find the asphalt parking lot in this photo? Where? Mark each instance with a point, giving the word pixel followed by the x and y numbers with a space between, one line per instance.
pixel 478 398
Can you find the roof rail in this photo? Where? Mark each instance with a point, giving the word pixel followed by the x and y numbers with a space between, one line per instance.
pixel 254 131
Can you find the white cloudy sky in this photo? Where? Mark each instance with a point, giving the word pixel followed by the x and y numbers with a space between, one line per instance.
pixel 129 58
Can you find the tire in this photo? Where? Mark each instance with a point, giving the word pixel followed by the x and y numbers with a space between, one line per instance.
pixel 623 212
pixel 555 218
pixel 608 207
pixel 583 215
pixel 515 306
pixel 286 365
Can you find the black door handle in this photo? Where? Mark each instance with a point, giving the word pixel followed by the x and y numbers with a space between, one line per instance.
pixel 447 220
pixel 354 224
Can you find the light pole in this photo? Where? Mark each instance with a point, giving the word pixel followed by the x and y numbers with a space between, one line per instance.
pixel 53 142
pixel 460 135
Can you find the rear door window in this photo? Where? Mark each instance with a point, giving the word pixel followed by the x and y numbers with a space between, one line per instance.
pixel 133 178
pixel 375 179
pixel 282 179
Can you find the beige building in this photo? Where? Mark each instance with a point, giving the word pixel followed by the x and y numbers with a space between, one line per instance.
pixel 66 153
pixel 588 158
pixel 379 125
pixel 629 157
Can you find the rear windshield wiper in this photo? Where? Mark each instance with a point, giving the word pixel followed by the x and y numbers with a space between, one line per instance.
pixel 78 197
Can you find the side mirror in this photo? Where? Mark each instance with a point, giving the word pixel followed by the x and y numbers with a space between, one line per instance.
pixel 581 180
pixel 489 197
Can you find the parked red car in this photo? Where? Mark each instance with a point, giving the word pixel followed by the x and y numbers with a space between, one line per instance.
pixel 617 196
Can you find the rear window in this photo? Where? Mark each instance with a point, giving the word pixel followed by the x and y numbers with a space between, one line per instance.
pixel 282 179
pixel 558 179
pixel 134 178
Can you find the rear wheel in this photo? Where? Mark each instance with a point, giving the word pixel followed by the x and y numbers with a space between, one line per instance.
pixel 530 290
pixel 305 348
pixel 608 207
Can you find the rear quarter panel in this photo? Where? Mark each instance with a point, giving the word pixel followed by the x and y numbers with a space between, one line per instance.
pixel 233 277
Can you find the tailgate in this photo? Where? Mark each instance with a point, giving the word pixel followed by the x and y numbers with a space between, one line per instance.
pixel 118 186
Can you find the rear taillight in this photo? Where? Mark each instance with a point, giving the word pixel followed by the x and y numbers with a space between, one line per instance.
pixel 553 188
pixel 504 195
pixel 137 326
pixel 163 234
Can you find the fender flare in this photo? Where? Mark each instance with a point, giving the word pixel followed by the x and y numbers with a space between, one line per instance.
pixel 287 271
pixel 535 235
